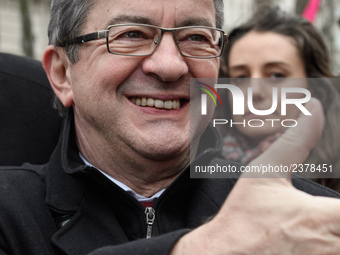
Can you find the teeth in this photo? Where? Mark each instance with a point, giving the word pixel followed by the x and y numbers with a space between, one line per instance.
pixel 150 102
pixel 138 101
pixel 175 104
pixel 168 104
pixel 157 103
pixel 144 101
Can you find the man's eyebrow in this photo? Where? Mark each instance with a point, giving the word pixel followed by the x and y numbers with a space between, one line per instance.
pixel 144 20
pixel 129 19
pixel 197 22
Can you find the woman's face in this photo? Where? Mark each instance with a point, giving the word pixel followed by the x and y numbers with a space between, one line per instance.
pixel 272 56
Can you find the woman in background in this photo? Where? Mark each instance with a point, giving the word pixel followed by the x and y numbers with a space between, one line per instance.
pixel 277 45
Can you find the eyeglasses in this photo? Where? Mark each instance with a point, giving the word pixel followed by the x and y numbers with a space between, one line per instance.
pixel 142 40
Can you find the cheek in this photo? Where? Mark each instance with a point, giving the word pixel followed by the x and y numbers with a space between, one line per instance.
pixel 102 77
pixel 204 68
pixel 115 69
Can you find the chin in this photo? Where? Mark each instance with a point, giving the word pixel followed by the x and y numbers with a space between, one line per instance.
pixel 165 150
pixel 163 155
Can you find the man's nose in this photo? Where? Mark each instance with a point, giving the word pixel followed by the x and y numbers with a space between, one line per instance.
pixel 166 62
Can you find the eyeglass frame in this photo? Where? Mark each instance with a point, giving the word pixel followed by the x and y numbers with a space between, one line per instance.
pixel 101 34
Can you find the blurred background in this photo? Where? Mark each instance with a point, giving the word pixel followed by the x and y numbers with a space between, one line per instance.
pixel 23 23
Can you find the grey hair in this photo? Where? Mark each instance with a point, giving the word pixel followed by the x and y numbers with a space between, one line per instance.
pixel 219 13
pixel 67 20
pixel 66 23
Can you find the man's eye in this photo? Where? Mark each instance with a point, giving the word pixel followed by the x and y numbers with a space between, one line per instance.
pixel 133 35
pixel 198 38
pixel 130 35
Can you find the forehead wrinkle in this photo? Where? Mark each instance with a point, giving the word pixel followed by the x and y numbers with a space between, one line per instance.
pixel 196 22
pixel 130 19
pixel 145 20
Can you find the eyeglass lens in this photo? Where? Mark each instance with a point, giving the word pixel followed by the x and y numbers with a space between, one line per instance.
pixel 139 40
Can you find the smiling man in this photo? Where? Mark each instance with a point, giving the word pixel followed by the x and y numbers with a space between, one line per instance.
pixel 118 182
pixel 132 110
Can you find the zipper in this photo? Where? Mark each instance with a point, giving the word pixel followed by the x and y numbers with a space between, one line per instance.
pixel 150 219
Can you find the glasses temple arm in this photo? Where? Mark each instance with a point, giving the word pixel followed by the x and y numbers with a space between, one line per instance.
pixel 86 38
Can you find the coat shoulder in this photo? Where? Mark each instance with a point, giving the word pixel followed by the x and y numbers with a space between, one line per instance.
pixel 20 184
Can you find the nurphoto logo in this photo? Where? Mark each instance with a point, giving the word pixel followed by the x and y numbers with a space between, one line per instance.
pixel 238 103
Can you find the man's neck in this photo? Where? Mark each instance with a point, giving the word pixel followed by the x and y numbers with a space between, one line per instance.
pixel 146 180
pixel 143 171
pixel 145 176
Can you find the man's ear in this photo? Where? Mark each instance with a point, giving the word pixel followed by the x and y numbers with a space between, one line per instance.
pixel 55 64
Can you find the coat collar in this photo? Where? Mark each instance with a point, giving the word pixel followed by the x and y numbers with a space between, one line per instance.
pixel 76 193
pixel 65 172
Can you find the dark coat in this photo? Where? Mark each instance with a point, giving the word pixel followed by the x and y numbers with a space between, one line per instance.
pixel 65 207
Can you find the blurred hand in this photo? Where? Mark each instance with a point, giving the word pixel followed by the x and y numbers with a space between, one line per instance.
pixel 266 214
pixel 267 142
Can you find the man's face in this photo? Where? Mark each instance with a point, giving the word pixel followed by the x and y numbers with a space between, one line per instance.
pixel 106 86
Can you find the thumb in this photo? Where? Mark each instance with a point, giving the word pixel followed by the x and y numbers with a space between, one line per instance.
pixel 294 146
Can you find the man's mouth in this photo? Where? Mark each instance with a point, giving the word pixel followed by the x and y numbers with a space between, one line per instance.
pixel 157 103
